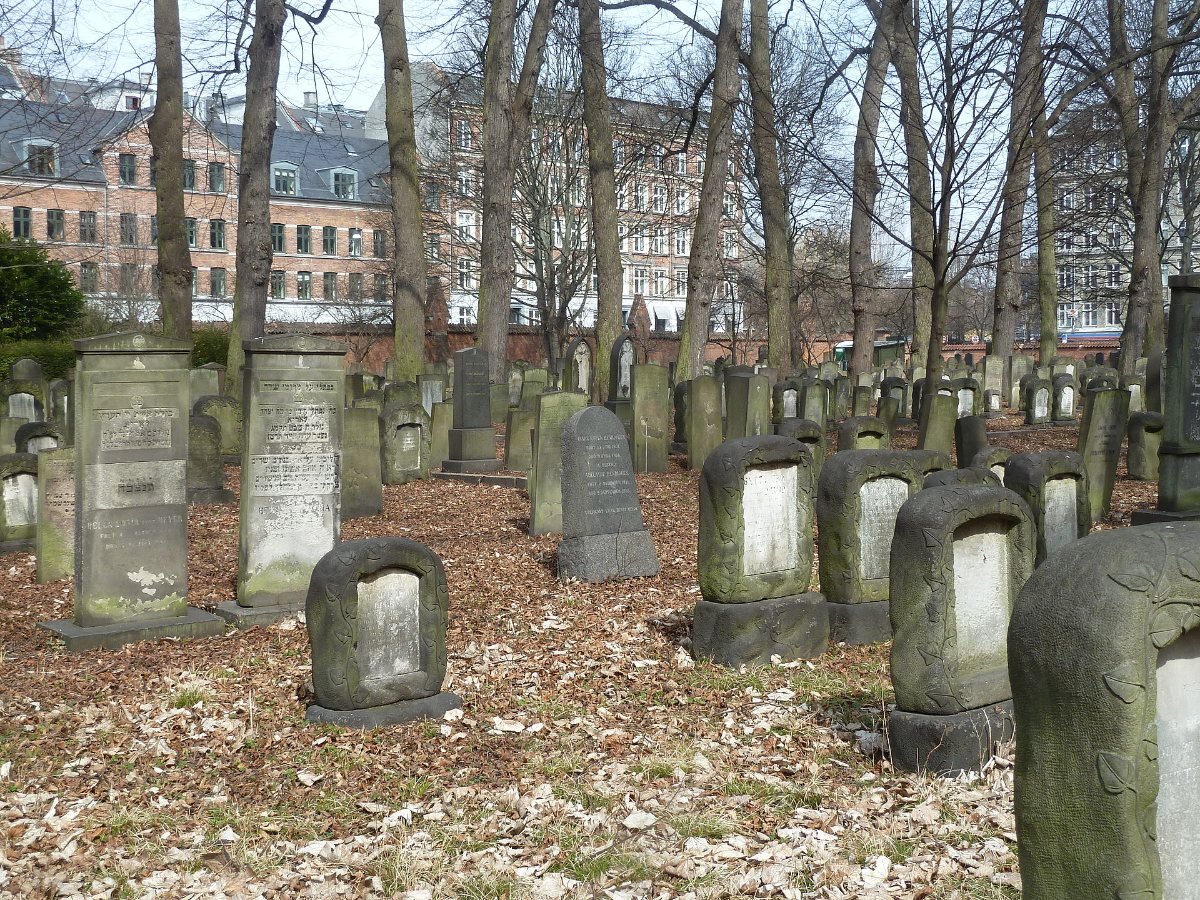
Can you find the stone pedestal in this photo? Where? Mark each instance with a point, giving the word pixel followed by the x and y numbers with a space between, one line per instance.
pixel 194 623
pixel 854 624
pixel 737 634
pixel 948 744
pixel 392 714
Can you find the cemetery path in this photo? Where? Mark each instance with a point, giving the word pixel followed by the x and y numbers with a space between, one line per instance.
pixel 592 757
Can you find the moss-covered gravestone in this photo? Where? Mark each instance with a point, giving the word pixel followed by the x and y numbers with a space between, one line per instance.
pixel 747 405
pixel 966 392
pixel 404 443
pixel 967 475
pixel 55 541
pixel 960 556
pixel 290 513
pixel 862 400
pixel 1037 401
pixel 228 412
pixel 1105 416
pixel 604 537
pixel 1019 367
pixel 62 407
pixel 815 402
pixel 376 612
pixel 34 437
pixel 859 494
pixel 650 417
pixel 863 433
pixel 23 398
pixel 205 471
pixel 518 441
pixel 1062 406
pixel 362 464
pixel 205 382
pixel 809 433
pixel 8 433
pixel 545 478
pixel 755 555
pixel 704 428
pixel 440 421
pixel 131 452
pixel 785 400
pixel 970 436
pixel 994 459
pixel 18 501
pixel 1053 485
pixel 679 397
pixel 898 390
pixel 1145 436
pixel 1104 659
pixel 937 422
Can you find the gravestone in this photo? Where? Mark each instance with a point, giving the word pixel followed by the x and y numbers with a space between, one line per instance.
pixel 937 423
pixel 518 440
pixel 131 452
pixel 785 400
pixel 960 556
pixel 1037 401
pixel 1136 386
pixel 966 392
pixel 472 441
pixel 228 412
pixel 9 426
pixel 377 612
pixel 992 405
pixel 1062 408
pixel 18 501
pixel 994 459
pixel 536 381
pixel 862 400
pixel 205 468
pixel 362 464
pixel 62 407
pixel 604 537
pixel 1145 437
pixel 1154 385
pixel 554 410
pixel 954 477
pixel 992 374
pixel 439 434
pixel 814 401
pixel 406 393
pixel 1100 436
pixel 888 412
pixel 863 433
pixel 404 443
pixel 843 400
pixel 621 359
pixel 34 437
pixel 516 380
pixel 747 404
pixel 650 417
pixel 577 367
pixel 704 429
pixel 23 399
pixel 293 395
pixel 755 556
pixel 811 435
pixel 1019 367
pixel 55 540
pixel 970 436
pixel 858 496
pixel 204 382
pixel 897 389
pixel 679 395
pixel 1103 660
pixel 1053 485
pixel 432 389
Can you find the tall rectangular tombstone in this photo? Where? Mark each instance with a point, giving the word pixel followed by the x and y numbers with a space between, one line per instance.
pixel 472 442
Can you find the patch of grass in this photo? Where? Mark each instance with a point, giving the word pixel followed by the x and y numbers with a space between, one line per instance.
pixel 186 698
pixel 554 764
pixel 728 681
pixel 781 797
pixel 703 825
pixel 132 821
pixel 576 793
pixel 489 887
pixel 605 866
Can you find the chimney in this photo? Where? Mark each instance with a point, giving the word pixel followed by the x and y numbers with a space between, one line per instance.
pixel 145 77
pixel 187 100
pixel 310 99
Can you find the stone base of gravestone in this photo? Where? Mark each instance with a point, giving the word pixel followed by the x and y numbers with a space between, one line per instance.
pixel 518 482
pixel 194 623
pixel 948 744
pixel 381 716
pixel 243 617
pixel 1151 516
pixel 677 447
pixel 750 634
pixel 472 450
pixel 854 624
pixel 605 557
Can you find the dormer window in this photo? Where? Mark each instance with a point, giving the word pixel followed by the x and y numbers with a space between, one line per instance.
pixel 345 185
pixel 41 158
pixel 283 180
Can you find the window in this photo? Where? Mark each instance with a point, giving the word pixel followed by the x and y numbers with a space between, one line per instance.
pixel 681 282
pixel 344 185
pixel 356 242
pixel 189 174
pixel 329 240
pixel 683 239
pixel 683 201
pixel 129 229
pixel 379 243
pixel 304 239
pixel 216 178
pixel 578 192
pixel 433 245
pixel 466 280
pixel 639 241
pixel 276 237
pixel 1066 200
pixel 1112 313
pixel 129 279
pixel 660 283
pixel 515 315
pixel 639 197
pixel 190 228
pixel 195 281
pixel 1091 198
pixel 216 281
pixel 660 198
pixel 87 227
pixel 656 157
pixel 356 281
pixel 1064 316
pixel 22 222
pixel 464 315
pixel 1114 275
pixel 639 281
pixel 731 247
pixel 216 234
pixel 618 153
pixel 276 285
pixel 433 197
pixel 381 288
pixel 1064 241
pixel 728 204
pixel 56 225
pixel 621 195
pixel 284 180
pixel 464 182
pixel 1088 317
pixel 330 285
pixel 1114 235
pixel 699 165
pixel 127 168
pixel 681 163
pixel 557 233
pixel 595 280
pixel 622 240
pixel 89 278
pixel 154 171
pixel 41 159
pixel 1066 278
pixel 1091 276
pixel 304 285
pixel 658 242
pixel 466 225
pixel 464 134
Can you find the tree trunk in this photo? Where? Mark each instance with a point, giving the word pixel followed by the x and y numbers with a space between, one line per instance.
pixel 506 123
pixel 920 182
pixel 1027 82
pixel 408 254
pixel 597 118
pixel 166 137
pixel 254 187
pixel 703 263
pixel 776 233
pixel 1047 265
pixel 864 275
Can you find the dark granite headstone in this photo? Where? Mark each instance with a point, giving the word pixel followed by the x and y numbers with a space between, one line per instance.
pixel 472 441
pixel 970 436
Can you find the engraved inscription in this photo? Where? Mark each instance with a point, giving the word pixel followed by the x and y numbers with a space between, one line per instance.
pixel 298 387
pixel 408 447
pixel 389 624
pixel 608 478
pixel 770 519
pixel 135 429
pixel 879 500
pixel 131 484
pixel 299 424
pixel 277 475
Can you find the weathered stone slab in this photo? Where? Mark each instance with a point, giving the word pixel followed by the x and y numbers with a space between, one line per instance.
pixel 55 540
pixel 812 435
pixel 650 418
pixel 704 428
pixel 754 634
pixel 545 479
pixel 34 437
pixel 863 433
pixel 747 405
pixel 970 436
pixel 1053 485
pixel 1099 445
pixel 228 412
pixel 18 501
pixel 205 468
pixel 404 440
pixel 1037 400
pixel 938 416
pixel 1145 436
pixel 362 464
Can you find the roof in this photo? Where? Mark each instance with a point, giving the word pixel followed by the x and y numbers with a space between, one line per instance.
pixel 76 129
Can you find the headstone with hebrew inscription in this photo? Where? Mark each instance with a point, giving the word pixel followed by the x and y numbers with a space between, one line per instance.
pixel 377 611
pixel 131 451
pixel 1104 418
pixel 291 472
pixel 55 515
pixel 472 441
pixel 755 555
pixel 604 536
